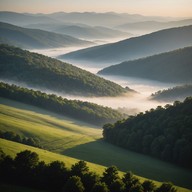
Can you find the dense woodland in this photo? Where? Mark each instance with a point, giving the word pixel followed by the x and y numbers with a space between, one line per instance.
pixel 47 73
pixel 173 94
pixel 85 111
pixel 174 66
pixel 27 170
pixel 164 133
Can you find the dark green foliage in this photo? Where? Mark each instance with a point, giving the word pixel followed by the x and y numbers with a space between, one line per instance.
pixel 80 169
pixel 36 39
pixel 26 160
pixel 55 177
pixel 175 93
pixel 44 72
pixel 148 186
pixel 110 176
pixel 166 187
pixel 74 184
pixel 9 135
pixel 174 66
pixel 100 187
pixel 84 111
pixel 165 133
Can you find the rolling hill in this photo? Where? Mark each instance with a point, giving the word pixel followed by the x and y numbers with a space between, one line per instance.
pixel 150 26
pixel 174 67
pixel 84 111
pixel 136 47
pixel 172 94
pixel 81 31
pixel 43 72
pixel 72 139
pixel 35 38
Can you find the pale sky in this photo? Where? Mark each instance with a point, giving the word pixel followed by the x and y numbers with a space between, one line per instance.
pixel 173 8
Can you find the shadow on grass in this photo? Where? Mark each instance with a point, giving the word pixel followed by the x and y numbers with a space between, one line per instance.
pixel 103 153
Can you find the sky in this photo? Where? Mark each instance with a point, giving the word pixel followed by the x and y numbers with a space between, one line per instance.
pixel 173 8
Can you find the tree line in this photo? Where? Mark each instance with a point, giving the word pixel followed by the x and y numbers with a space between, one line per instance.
pixel 9 135
pixel 164 133
pixel 27 170
pixel 84 111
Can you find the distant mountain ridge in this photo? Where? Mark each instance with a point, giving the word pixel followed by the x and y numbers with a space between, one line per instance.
pixel 81 31
pixel 136 47
pixel 150 26
pixel 35 38
pixel 174 66
pixel 89 18
pixel 44 72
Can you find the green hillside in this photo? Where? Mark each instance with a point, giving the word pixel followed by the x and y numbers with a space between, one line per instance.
pixel 81 141
pixel 136 47
pixel 164 133
pixel 173 94
pixel 44 72
pixel 174 66
pixel 35 38
pixel 85 111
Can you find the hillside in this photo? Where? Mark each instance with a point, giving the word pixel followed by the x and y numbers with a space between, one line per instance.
pixel 172 94
pixel 81 141
pixel 164 133
pixel 174 67
pixel 81 31
pixel 149 26
pixel 136 47
pixel 84 111
pixel 43 72
pixel 35 38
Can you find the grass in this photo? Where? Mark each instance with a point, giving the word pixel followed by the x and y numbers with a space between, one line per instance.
pixel 76 140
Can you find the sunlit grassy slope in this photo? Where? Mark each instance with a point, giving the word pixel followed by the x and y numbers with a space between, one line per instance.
pixel 73 139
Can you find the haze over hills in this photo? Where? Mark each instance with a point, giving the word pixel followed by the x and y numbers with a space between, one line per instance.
pixel 172 94
pixel 81 31
pixel 136 47
pixel 89 18
pixel 150 26
pixel 35 38
pixel 174 67
pixel 47 73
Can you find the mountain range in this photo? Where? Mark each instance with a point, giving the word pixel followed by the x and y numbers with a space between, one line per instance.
pixel 136 47
pixel 35 38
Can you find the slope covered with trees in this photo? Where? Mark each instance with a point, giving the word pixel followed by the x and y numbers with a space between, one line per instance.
pixel 87 112
pixel 27 170
pixel 174 66
pixel 172 94
pixel 136 47
pixel 165 133
pixel 44 72
pixel 35 38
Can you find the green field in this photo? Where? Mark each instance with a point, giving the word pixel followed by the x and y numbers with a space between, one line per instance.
pixel 77 140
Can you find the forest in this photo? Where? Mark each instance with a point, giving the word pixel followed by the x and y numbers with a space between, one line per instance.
pixel 47 73
pixel 27 170
pixel 164 133
pixel 175 93
pixel 85 111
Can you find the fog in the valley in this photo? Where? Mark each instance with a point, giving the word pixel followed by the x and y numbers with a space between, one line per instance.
pixel 129 103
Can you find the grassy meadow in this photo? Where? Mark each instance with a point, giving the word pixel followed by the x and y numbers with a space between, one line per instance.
pixel 69 140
